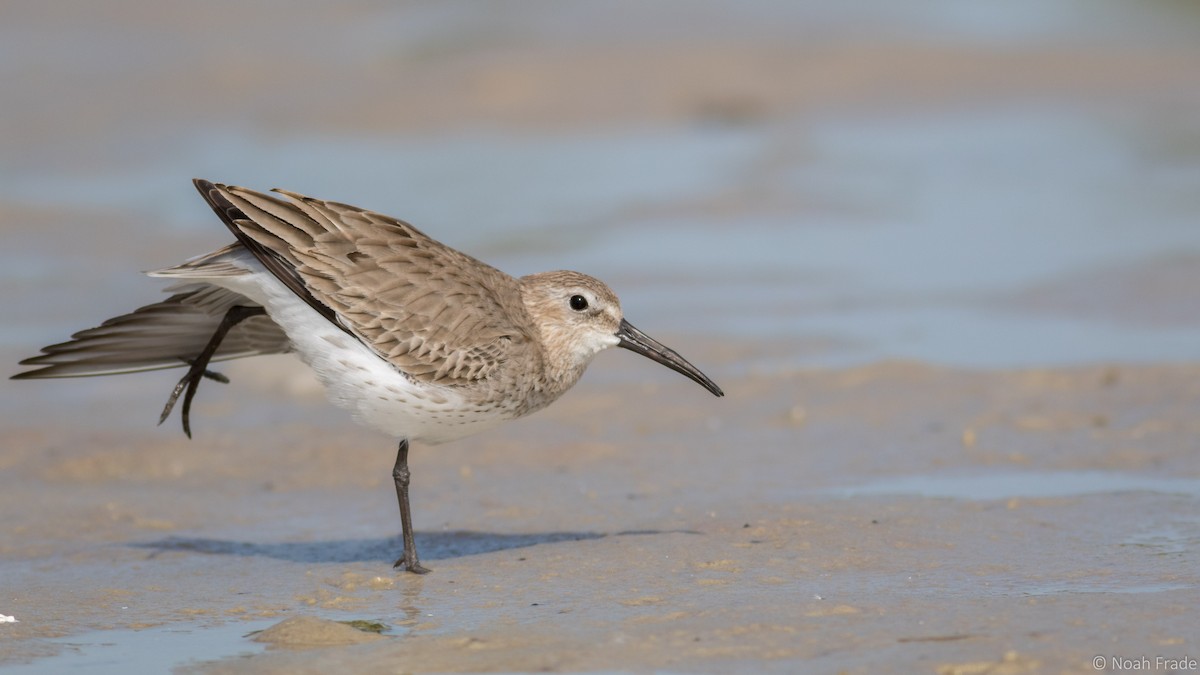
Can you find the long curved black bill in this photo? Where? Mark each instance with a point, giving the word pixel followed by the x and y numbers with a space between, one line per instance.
pixel 636 341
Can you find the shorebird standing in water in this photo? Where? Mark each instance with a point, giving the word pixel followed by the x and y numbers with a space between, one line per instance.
pixel 414 338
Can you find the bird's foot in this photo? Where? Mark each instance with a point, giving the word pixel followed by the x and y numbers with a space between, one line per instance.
pixel 413 565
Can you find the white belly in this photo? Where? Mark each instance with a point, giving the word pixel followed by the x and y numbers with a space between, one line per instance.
pixel 355 377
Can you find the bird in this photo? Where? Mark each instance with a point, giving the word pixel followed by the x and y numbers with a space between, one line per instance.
pixel 414 338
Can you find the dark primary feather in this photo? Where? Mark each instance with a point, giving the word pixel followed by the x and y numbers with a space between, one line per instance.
pixel 236 221
pixel 162 335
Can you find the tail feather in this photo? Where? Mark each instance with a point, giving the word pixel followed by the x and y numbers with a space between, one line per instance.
pixel 165 334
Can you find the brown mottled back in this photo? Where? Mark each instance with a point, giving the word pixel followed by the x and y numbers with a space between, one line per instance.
pixel 436 314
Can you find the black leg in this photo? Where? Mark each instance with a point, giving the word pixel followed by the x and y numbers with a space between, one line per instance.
pixel 199 365
pixel 402 477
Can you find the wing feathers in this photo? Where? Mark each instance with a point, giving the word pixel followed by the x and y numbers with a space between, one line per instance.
pixel 433 312
pixel 162 335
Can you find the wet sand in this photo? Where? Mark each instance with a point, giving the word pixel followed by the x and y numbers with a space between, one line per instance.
pixel 856 520
pixel 942 264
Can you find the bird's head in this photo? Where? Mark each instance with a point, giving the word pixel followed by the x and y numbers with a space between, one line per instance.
pixel 579 316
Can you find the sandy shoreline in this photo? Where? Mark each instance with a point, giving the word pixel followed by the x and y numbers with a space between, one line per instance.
pixel 801 522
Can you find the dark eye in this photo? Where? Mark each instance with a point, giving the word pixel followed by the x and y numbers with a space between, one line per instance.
pixel 579 303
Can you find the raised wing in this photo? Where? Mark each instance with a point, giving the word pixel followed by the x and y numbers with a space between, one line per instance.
pixel 436 314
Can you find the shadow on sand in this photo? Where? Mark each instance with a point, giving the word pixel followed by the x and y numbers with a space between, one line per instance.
pixel 432 545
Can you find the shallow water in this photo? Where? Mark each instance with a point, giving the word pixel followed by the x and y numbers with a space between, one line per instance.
pixel 152 650
pixel 1010 485
pixel 911 238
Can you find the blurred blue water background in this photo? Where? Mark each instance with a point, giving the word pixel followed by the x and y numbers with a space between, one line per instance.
pixel 986 185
